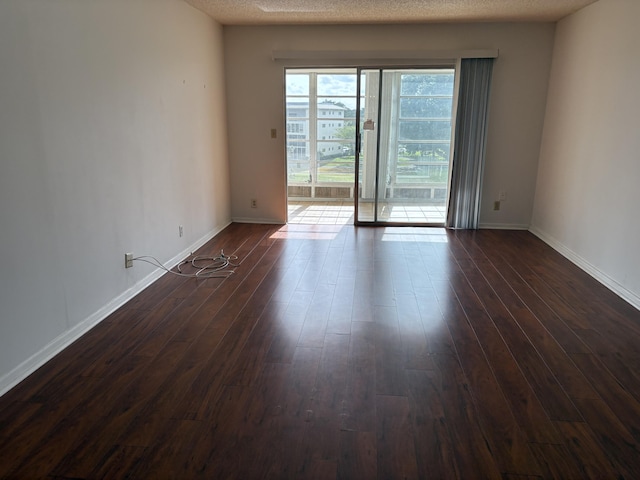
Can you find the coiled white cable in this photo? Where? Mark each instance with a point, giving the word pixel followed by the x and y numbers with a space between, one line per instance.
pixel 207 266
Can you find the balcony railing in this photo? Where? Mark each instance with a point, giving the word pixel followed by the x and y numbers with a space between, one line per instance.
pixel 418 181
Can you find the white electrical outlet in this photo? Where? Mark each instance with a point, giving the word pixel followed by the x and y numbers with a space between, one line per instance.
pixel 502 196
pixel 128 260
pixel 254 203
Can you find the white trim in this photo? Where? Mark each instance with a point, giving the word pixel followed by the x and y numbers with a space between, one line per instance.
pixel 268 221
pixel 503 226
pixel 26 368
pixel 595 272
pixel 380 55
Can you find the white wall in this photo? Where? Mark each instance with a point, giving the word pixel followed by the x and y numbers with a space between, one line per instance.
pixel 112 133
pixel 587 197
pixel 255 104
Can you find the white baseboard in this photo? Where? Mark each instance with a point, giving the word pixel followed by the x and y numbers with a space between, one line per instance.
pixel 26 368
pixel 595 272
pixel 503 226
pixel 268 221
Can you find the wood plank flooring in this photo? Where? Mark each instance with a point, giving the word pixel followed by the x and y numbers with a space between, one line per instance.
pixel 351 353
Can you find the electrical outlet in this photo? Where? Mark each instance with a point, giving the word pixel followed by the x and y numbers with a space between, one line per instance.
pixel 502 196
pixel 254 203
pixel 180 230
pixel 274 133
pixel 496 205
pixel 128 260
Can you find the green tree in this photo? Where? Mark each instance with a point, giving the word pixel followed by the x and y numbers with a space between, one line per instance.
pixel 347 136
pixel 346 133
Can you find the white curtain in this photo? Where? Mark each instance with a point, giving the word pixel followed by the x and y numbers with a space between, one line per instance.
pixel 470 143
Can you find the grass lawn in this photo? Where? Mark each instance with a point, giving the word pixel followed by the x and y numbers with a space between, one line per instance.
pixel 339 169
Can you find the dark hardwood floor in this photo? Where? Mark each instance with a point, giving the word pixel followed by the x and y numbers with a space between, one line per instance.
pixel 342 352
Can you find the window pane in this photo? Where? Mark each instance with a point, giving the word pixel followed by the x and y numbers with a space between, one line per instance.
pixel 334 129
pixel 297 129
pixel 337 84
pixel 297 83
pixel 327 149
pixel 298 161
pixel 345 104
pixel 424 130
pixel 330 109
pixel 423 162
pixel 428 83
pixel 432 151
pixel 297 107
pixel 335 163
pixel 429 107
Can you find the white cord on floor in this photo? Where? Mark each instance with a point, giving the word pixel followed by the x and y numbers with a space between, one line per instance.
pixel 208 266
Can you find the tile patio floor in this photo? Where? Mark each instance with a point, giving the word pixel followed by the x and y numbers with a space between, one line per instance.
pixel 341 213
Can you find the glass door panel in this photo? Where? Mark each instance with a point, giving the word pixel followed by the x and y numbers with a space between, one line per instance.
pixel 405 132
pixel 320 144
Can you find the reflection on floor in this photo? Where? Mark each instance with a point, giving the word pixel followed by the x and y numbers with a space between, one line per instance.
pixel 341 213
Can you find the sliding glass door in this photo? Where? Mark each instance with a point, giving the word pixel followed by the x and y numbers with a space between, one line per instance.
pixel 403 155
pixel 321 130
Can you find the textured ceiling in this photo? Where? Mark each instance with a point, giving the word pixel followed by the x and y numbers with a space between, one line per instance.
pixel 263 12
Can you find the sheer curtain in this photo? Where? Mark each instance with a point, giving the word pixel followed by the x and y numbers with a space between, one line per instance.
pixel 470 143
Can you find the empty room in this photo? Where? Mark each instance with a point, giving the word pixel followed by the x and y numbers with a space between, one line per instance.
pixel 329 239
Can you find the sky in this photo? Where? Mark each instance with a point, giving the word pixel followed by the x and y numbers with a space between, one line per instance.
pixel 336 85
